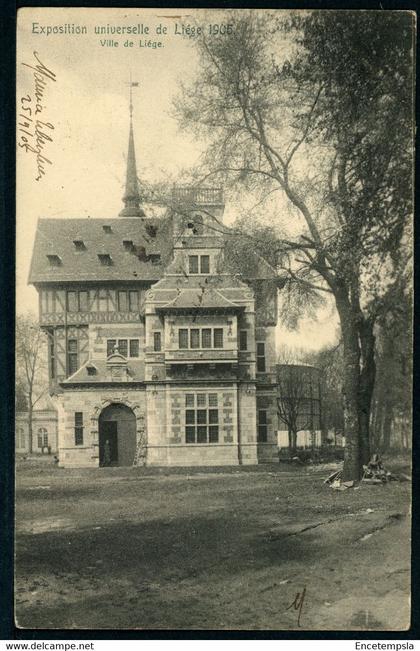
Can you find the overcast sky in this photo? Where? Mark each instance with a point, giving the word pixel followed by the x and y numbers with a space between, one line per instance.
pixel 88 107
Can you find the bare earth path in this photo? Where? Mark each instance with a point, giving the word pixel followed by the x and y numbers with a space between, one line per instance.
pixel 209 549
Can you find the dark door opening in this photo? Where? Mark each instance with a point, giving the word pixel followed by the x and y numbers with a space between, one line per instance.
pixel 108 444
pixel 117 436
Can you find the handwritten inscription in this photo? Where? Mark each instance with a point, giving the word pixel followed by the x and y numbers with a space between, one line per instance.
pixel 297 604
pixel 34 130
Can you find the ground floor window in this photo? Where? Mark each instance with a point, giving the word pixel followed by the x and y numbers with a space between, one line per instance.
pixel 262 426
pixel 42 438
pixel 78 428
pixel 201 418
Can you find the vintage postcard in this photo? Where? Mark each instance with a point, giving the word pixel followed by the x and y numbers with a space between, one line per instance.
pixel 214 319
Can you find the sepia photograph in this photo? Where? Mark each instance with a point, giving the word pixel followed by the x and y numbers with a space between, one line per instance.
pixel 214 294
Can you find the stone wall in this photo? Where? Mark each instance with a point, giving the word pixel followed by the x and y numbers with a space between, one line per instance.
pixel 167 445
pixel 90 403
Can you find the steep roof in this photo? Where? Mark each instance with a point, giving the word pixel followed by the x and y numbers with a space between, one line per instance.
pixel 58 239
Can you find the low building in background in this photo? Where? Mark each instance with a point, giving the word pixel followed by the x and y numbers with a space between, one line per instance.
pixel 44 432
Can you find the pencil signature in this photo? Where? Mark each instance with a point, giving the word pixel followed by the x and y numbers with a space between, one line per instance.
pixel 33 130
pixel 297 603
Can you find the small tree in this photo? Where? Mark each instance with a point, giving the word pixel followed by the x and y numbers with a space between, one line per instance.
pixel 31 367
pixel 298 396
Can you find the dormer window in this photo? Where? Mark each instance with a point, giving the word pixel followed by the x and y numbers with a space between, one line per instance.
pixel 106 228
pixel 54 260
pixel 79 244
pixel 193 264
pixel 199 264
pixel 128 245
pixel 204 264
pixel 105 259
pixel 91 369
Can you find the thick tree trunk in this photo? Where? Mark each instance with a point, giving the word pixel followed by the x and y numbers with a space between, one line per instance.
pixel 351 356
pixel 366 386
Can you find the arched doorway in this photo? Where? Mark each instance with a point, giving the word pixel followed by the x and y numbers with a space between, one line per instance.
pixel 117 436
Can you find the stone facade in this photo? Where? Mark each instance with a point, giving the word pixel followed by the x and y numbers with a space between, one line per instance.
pixel 144 314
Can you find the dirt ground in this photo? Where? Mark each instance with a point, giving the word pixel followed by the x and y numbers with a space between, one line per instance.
pixel 224 548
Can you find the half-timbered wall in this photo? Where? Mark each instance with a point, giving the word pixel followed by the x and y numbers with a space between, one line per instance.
pixel 81 304
pixel 60 337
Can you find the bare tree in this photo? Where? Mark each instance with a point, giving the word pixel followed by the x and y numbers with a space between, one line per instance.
pixel 31 367
pixel 298 394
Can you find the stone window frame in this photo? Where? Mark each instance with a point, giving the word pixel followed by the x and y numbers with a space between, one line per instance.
pixel 199 264
pixel 42 438
pixel 201 412
pixel 262 426
pixel 261 358
pixel 157 341
pixel 243 340
pixel 128 340
pixel 187 338
pixel 78 428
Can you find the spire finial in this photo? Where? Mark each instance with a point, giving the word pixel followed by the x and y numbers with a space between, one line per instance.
pixel 131 196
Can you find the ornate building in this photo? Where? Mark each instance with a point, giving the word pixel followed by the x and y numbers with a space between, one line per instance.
pixel 159 352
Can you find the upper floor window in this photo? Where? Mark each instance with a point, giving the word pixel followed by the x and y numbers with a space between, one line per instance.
pixel 134 348
pixel 199 264
pixel 193 264
pixel 126 347
pixel 72 356
pixel 204 264
pixel 157 342
pixel 128 301
pixel 183 338
pixel 218 337
pixel 197 224
pixel 243 340
pixel 133 300
pixel 261 357
pixel 200 338
pixel 48 303
pixel 77 301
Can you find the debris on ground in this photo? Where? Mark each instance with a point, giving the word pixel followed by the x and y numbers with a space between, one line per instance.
pixel 336 475
pixel 335 481
pixel 375 473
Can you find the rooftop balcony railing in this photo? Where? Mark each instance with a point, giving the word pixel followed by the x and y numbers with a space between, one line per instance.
pixel 198 196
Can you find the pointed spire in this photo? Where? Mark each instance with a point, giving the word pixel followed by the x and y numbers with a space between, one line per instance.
pixel 131 196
